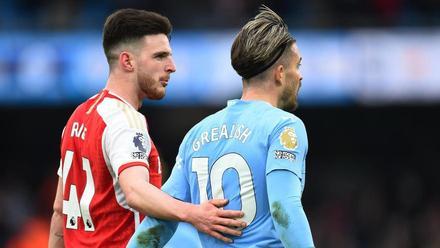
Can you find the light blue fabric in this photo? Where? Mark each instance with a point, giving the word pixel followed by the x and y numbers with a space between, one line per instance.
pixel 152 233
pixel 157 233
pixel 229 154
pixel 284 191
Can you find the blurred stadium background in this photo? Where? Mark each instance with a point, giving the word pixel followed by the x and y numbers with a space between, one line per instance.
pixel 370 100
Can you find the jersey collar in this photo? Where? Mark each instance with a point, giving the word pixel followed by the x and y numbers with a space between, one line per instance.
pixel 122 99
pixel 237 101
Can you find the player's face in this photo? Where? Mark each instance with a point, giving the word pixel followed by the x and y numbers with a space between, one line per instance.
pixel 289 96
pixel 155 64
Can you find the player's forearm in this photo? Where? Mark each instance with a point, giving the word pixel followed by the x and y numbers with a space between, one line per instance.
pixel 151 201
pixel 291 223
pixel 56 239
pixel 284 193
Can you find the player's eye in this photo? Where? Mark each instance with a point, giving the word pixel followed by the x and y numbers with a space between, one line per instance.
pixel 161 56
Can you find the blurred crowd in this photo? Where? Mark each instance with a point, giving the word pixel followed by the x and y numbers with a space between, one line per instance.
pixel 81 14
pixel 363 209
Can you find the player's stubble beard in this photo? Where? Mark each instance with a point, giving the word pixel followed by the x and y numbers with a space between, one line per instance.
pixel 150 87
pixel 288 100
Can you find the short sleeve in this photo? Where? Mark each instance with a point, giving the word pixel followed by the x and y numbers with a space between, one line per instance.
pixel 177 184
pixel 125 139
pixel 288 146
pixel 126 147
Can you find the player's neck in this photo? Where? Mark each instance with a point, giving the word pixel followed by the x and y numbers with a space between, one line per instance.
pixel 125 89
pixel 259 94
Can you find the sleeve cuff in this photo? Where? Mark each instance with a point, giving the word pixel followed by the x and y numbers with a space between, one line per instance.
pixel 131 164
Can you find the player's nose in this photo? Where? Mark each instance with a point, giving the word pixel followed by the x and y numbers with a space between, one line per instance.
pixel 170 67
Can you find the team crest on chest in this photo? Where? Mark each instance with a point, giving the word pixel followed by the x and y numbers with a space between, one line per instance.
pixel 288 138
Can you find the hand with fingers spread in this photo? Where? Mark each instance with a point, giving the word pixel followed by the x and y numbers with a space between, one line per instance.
pixel 211 219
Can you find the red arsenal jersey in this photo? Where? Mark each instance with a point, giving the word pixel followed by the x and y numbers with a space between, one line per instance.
pixel 104 136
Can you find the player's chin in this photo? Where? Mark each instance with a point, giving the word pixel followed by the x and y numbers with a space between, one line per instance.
pixel 156 97
pixel 290 106
pixel 158 94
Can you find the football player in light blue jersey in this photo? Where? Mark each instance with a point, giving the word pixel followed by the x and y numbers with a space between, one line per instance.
pixel 252 152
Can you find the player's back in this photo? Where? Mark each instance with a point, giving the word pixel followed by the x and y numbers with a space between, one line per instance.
pixel 225 157
pixel 94 207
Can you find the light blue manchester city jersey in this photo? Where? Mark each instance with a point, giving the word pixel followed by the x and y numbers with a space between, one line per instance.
pixel 229 154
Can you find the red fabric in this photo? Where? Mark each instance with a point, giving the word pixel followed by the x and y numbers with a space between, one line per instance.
pixel 128 165
pixel 113 223
pixel 155 170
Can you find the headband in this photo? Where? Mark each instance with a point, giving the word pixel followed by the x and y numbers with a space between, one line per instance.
pixel 264 65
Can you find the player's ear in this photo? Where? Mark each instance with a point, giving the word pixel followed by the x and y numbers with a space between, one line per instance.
pixel 126 61
pixel 279 74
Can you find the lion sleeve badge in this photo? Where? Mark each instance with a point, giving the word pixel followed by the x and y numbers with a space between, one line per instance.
pixel 288 138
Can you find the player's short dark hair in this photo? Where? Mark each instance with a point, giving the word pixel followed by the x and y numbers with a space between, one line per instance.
pixel 260 43
pixel 130 25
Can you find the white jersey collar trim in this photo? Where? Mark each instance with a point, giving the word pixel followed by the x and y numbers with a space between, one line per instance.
pixel 122 99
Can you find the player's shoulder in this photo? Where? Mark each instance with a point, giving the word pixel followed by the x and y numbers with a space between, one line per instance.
pixel 286 117
pixel 284 123
pixel 89 105
pixel 116 112
pixel 280 117
pixel 264 111
pixel 80 111
pixel 288 130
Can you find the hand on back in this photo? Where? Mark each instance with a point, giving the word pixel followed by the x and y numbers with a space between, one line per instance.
pixel 210 218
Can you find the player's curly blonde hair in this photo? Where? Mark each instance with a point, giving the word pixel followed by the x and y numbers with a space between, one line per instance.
pixel 260 43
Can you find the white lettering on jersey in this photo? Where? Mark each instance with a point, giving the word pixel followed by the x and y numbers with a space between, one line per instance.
pixel 237 131
pixel 78 130
pixel 224 132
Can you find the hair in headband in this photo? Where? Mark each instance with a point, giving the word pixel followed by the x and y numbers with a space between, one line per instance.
pixel 260 43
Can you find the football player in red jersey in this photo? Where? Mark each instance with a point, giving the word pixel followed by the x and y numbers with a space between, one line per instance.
pixel 109 169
